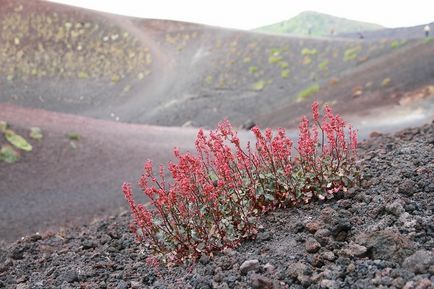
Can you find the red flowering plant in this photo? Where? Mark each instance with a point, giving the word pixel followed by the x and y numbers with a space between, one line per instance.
pixel 214 196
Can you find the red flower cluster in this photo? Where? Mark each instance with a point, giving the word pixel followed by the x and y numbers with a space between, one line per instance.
pixel 215 195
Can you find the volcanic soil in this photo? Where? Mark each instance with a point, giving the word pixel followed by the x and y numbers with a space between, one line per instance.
pixel 378 235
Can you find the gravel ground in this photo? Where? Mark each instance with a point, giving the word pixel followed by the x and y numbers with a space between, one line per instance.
pixel 380 235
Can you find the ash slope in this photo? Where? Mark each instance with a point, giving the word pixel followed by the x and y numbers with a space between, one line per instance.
pixel 381 235
pixel 169 73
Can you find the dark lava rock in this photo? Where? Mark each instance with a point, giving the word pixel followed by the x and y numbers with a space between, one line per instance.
pixel 386 245
pixel 69 276
pixel 249 265
pixel 419 262
pixel 312 245
pixel 260 282
pixel 248 124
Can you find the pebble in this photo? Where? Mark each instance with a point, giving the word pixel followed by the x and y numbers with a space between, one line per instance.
pixel 260 282
pixel 249 265
pixel 312 245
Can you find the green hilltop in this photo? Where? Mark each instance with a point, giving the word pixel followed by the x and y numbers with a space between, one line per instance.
pixel 318 24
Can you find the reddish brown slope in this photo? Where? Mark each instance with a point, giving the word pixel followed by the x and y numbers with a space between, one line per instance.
pixel 55 183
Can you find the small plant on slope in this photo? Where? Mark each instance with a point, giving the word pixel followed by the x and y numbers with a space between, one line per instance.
pixel 215 195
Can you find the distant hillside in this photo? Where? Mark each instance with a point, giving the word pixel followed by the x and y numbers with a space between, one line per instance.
pixel 318 24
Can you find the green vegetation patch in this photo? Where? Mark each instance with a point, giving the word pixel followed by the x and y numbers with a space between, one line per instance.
pixel 285 73
pixel 307 51
pixel 324 65
pixel 274 59
pixel 308 92
pixel 259 85
pixel 17 141
pixel 352 53
pixel 73 136
pixel 385 82
pixel 397 43
pixel 283 64
pixel 3 126
pixel 8 154
pixel 36 133
pixel 253 69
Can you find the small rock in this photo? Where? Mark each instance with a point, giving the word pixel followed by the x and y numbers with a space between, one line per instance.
pixel 88 244
pixel 330 284
pixel 17 253
pixel 312 245
pixel 260 282
pixel 69 276
pixel 351 268
pixel 398 282
pixel 312 227
pixel 122 285
pixel 297 269
pixel 322 236
pixel 375 134
pixel 204 259
pixel 341 229
pixel 248 124
pixel 395 209
pixel 35 237
pixel 249 265
pixel 269 268
pixel 424 284
pixel 218 275
pixel 355 250
pixel 328 255
pixel 419 262
pixel 407 187
pixel 386 245
pixel 135 284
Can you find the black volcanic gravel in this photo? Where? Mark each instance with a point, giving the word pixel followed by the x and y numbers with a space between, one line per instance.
pixel 380 235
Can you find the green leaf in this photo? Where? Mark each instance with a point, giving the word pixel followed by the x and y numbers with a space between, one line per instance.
pixel 8 154
pixel 269 197
pixel 17 140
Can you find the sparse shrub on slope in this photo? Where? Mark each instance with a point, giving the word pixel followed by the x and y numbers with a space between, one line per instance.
pixel 215 195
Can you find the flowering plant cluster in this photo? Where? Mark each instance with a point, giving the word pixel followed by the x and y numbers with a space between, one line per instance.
pixel 214 196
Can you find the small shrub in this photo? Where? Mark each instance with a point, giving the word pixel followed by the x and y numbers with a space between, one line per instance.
pixel 309 52
pixel 274 59
pixel 307 60
pixel 351 53
pixel 324 65
pixel 259 85
pixel 17 141
pixel 385 82
pixel 253 69
pixel 73 136
pixel 284 73
pixel 215 195
pixel 8 154
pixel 36 133
pixel 307 92
pixel 283 64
